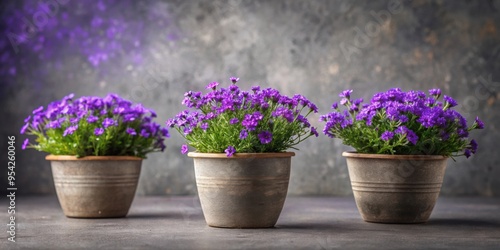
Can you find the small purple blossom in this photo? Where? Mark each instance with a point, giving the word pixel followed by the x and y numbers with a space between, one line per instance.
pixel 25 144
pixel 70 130
pixel 131 131
pixel 265 137
pixel 38 110
pixel 184 149
pixel 230 150
pixel 346 93
pixel 243 134
pixel 314 131
pixel 98 131
pixel 435 92
pixel 387 136
pixel 144 133
pixel 212 85
pixel 92 119
pixel 234 79
pixel 450 101
pixel 479 124
pixel 335 105
pixel 24 128
pixel 234 121
pixel 108 122
pixel 467 153
pixel 473 146
pixel 204 126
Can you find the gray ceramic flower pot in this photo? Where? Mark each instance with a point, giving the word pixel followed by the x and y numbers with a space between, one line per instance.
pixel 395 188
pixel 243 191
pixel 95 186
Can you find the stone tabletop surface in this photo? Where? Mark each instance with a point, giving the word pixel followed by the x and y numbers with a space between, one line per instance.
pixel 305 223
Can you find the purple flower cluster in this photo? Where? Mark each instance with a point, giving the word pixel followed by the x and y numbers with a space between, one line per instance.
pixel 411 115
pixel 259 112
pixel 94 116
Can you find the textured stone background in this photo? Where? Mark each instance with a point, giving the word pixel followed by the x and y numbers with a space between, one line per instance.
pixel 154 51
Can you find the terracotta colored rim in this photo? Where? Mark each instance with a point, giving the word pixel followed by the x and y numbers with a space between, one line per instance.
pixel 241 155
pixel 398 157
pixel 91 158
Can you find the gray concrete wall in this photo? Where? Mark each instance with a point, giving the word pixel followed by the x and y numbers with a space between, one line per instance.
pixel 157 50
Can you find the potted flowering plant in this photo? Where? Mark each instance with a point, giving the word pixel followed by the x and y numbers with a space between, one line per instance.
pixel 96 147
pixel 402 141
pixel 242 171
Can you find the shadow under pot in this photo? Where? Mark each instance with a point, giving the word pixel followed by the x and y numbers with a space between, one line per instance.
pixel 95 186
pixel 247 190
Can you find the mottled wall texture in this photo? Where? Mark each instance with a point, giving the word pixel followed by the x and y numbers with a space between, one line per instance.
pixel 154 51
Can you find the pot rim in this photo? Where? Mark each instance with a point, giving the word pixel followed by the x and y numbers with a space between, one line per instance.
pixel 92 158
pixel 241 155
pixel 353 154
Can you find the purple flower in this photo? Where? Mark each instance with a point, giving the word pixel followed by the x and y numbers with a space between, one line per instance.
pixel 411 136
pixel 25 143
pixel 23 129
pixel 38 110
pixel 131 131
pixel 98 131
pixel 70 130
pixel 144 133
pixel 184 149
pixel 467 153
pixel 387 136
pixel 234 121
pixel 252 120
pixel 92 119
pixel 344 101
pixel 435 92
pixel 234 79
pixel 109 122
pixel 335 105
pixel 212 85
pixel 314 131
pixel 230 150
pixel 478 123
pixel 346 93
pixel 450 101
pixel 204 126
pixel 243 134
pixel 265 137
pixel 473 146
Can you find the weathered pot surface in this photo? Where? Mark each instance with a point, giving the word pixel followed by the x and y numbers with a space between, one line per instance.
pixel 243 191
pixel 95 186
pixel 395 188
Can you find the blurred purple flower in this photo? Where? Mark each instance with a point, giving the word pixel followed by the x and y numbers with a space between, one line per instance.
pixel 265 137
pixel 479 124
pixel 387 136
pixel 451 102
pixel 184 149
pixel 98 131
pixel 131 131
pixel 230 151
pixel 70 130
pixel 212 85
pixel 25 143
pixel 234 79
